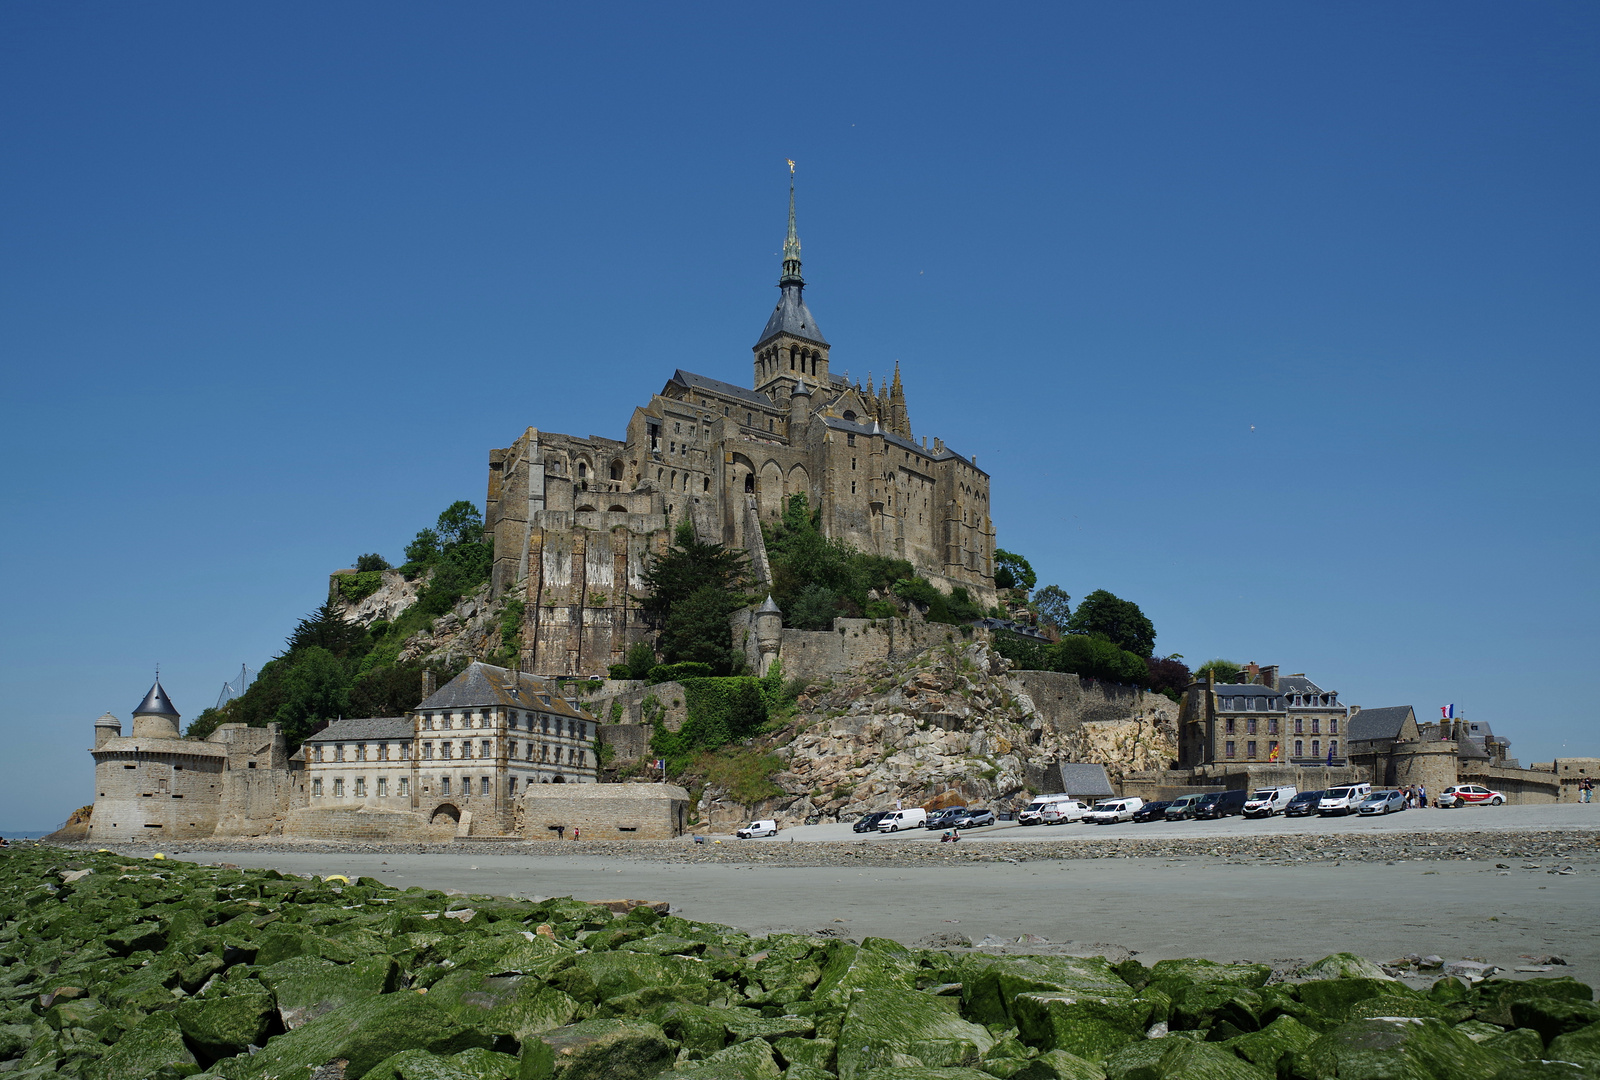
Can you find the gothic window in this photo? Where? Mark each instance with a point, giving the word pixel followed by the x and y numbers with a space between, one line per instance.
pixel 707 482
pixel 583 470
pixel 749 421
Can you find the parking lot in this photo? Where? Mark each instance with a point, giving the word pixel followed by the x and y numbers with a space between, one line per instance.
pixel 1465 819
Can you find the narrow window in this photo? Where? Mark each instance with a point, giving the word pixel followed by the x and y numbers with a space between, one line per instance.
pixel 1316 725
pixel 485 750
pixel 1333 727
pixel 383 787
pixel 316 786
pixel 1299 748
pixel 850 440
pixel 511 786
pixel 1230 725
pixel 1230 748
pixel 405 785
pixel 1250 749
pixel 444 785
pixel 361 787
pixel 338 787
pixel 1333 747
pixel 483 785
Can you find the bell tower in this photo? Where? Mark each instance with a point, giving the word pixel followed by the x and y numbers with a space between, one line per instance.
pixel 791 346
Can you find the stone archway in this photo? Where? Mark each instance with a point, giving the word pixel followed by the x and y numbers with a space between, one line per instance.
pixel 559 779
pixel 445 814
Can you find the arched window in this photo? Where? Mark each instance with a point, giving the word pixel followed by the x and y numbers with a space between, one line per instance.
pixel 616 470
pixel 583 470
pixel 750 483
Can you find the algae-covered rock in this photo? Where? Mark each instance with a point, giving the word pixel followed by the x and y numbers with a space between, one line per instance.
pixel 817 1053
pixel 1182 1059
pixel 1274 1045
pixel 1543 1070
pixel 749 1060
pixel 905 1027
pixel 1581 1047
pixel 1343 965
pixel 227 1020
pixel 874 965
pixel 1060 1065
pixel 473 1064
pixel 1521 1044
pixel 1492 1000
pixel 990 983
pixel 1554 1017
pixel 1173 975
pixel 505 954
pixel 662 945
pixel 1335 998
pixel 307 986
pixel 597 1050
pixel 1199 1006
pixel 1090 1026
pixel 153 1049
pixel 1397 1050
pixel 925 1072
pixel 603 976
pixel 513 1005
pixel 364 1033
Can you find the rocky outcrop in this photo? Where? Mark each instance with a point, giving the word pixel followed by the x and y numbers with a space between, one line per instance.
pixel 949 726
pixel 393 597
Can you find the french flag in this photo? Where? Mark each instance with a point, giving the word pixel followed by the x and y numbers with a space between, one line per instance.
pixel 1447 712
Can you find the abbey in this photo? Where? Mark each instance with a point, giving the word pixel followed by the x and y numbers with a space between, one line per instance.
pixel 576 520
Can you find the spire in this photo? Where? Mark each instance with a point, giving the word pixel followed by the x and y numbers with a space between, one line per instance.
pixel 899 418
pixel 791 243
pixel 156 703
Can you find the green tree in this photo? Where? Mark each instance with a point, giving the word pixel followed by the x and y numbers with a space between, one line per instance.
pixel 326 629
pixel 1226 671
pixel 372 561
pixel 386 691
pixel 640 659
pixel 1012 571
pixel 460 523
pixel 1053 605
pixel 694 587
pixel 1083 654
pixel 804 561
pixel 317 688
pixel 424 548
pixel 814 609
pixel 1118 621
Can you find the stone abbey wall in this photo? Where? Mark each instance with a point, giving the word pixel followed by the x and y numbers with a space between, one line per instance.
pixel 820 655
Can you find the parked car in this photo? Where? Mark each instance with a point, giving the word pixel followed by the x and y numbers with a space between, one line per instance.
pixel 903 819
pixel 1469 795
pixel 1030 815
pixel 1111 811
pixel 765 827
pixel 869 822
pixel 1063 810
pixel 941 819
pixel 1184 806
pixel 1303 804
pixel 973 818
pixel 1343 800
pixel 1268 801
pixel 1152 811
pixel 1221 804
pixel 1382 802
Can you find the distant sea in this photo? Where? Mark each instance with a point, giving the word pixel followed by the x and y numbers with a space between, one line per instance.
pixel 23 834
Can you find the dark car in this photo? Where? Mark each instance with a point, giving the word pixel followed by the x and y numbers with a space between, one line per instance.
pixel 943 819
pixel 972 819
pixel 1220 804
pixel 1152 811
pixel 870 822
pixel 1303 804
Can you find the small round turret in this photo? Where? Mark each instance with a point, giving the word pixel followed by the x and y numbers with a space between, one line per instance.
pixel 155 718
pixel 799 406
pixel 769 632
pixel 106 728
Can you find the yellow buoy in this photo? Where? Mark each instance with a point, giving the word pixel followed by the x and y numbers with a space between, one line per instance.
pixel 158 855
pixel 337 877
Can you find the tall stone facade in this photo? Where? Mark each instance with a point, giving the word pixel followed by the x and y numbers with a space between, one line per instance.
pixel 575 520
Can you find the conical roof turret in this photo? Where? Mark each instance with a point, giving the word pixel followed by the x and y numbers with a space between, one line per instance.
pixel 156 703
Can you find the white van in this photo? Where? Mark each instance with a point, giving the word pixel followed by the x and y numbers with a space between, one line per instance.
pixel 1030 816
pixel 904 819
pixel 1059 811
pixel 1268 801
pixel 767 827
pixel 1343 800
pixel 1111 811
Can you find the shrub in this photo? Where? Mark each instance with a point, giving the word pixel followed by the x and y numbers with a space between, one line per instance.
pixel 372 561
pixel 689 669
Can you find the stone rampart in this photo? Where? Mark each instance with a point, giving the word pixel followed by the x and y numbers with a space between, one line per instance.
pixel 627 706
pixel 630 743
pixel 1066 702
pixel 820 655
pixel 604 812
pixel 360 823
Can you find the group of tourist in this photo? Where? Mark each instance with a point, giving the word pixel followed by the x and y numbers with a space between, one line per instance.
pixel 1416 796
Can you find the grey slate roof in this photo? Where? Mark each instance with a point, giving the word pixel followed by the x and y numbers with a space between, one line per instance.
pixel 156 703
pixel 365 729
pixel 1082 778
pixel 792 317
pixel 1384 723
pixel 840 424
pixel 1298 684
pixel 486 685
pixel 1471 748
pixel 769 606
pixel 717 386
pixel 1275 698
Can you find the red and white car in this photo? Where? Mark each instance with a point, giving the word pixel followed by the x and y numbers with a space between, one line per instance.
pixel 1469 795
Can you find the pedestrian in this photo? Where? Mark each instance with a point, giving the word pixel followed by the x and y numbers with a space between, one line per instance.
pixel 1422 796
pixel 1586 790
pixel 561 832
pixel 574 832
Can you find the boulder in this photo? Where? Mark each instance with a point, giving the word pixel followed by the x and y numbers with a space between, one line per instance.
pixel 227 1019
pixel 1520 1044
pixel 1333 999
pixel 1275 1045
pixel 815 1053
pixel 364 1033
pixel 749 1060
pixel 473 1064
pixel 1092 1026
pixel 894 1027
pixel 1492 1001
pixel 875 965
pixel 1344 965
pixel 1397 1050
pixel 597 1050
pixel 1581 1048
pixel 1173 975
pixel 1553 1017
pixel 1181 1059
pixel 990 983
pixel 603 976
pixel 1060 1065
pixel 153 1049
pixel 1199 1006
pixel 307 986
pixel 514 1005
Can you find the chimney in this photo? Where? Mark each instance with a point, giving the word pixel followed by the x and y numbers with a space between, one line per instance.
pixel 429 683
pixel 1252 673
pixel 1269 676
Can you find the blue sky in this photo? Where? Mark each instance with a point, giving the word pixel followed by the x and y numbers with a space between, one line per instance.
pixel 1276 319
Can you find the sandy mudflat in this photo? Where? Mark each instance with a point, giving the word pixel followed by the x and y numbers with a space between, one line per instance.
pixel 1158 907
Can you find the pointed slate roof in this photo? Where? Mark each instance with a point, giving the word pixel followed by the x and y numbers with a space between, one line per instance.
pixel 792 317
pixel 1383 723
pixel 156 703
pixel 1085 779
pixel 769 607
